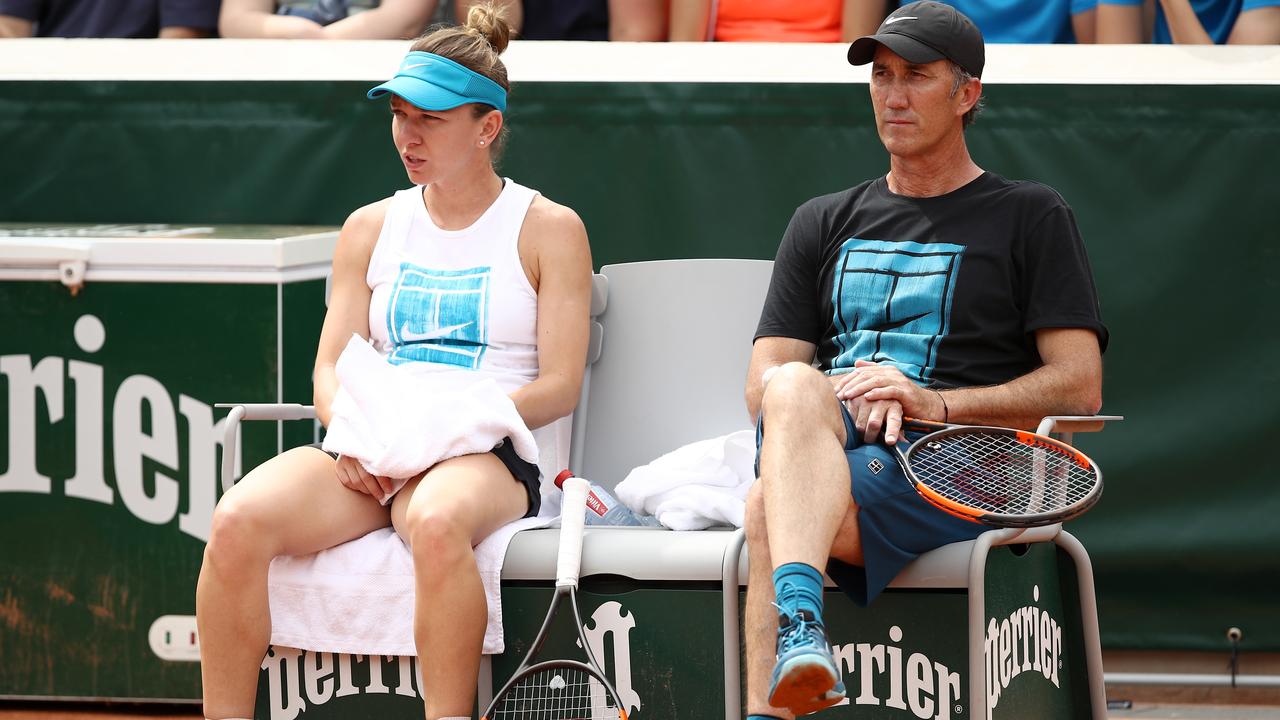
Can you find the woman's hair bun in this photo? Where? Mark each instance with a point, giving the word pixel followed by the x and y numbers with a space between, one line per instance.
pixel 485 19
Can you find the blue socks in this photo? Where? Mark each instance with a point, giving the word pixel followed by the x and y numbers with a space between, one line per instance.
pixel 798 587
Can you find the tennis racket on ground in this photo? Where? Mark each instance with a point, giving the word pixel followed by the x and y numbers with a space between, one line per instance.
pixel 561 689
pixel 998 476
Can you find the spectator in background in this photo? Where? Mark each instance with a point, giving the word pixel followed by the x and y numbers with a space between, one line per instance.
pixel 320 19
pixel 1192 22
pixel 775 20
pixel 619 20
pixel 108 18
pixel 1030 21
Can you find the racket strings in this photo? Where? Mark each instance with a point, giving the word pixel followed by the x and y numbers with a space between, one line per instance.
pixel 999 474
pixel 556 693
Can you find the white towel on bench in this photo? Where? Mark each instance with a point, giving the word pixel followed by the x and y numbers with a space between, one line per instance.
pixel 358 597
pixel 695 486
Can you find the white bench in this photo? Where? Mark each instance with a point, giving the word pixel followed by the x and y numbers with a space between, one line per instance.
pixel 670 352
pixel 672 371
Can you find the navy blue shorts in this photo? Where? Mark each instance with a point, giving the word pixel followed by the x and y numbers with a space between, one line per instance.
pixel 897 525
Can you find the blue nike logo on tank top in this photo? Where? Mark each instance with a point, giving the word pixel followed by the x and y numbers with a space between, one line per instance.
pixel 439 316
pixel 892 303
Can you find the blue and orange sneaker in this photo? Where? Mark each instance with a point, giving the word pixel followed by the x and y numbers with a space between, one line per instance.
pixel 806 678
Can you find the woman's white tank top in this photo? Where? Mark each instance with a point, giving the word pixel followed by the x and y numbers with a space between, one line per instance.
pixel 455 304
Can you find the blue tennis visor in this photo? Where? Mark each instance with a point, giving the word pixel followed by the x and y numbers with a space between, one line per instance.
pixel 432 82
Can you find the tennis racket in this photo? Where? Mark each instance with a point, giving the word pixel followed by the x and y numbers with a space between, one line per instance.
pixel 561 689
pixel 998 476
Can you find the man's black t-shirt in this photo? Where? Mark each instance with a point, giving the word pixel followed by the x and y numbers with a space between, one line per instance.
pixel 948 289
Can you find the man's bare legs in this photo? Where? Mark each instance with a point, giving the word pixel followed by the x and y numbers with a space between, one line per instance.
pixel 793 518
pixel 760 618
pixel 802 465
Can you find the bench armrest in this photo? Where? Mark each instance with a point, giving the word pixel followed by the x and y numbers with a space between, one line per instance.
pixel 253 411
pixel 1064 426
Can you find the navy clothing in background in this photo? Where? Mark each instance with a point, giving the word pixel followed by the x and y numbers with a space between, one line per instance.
pixel 113 18
pixel 565 20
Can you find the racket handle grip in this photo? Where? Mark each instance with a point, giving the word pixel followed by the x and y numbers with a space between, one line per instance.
pixel 572 517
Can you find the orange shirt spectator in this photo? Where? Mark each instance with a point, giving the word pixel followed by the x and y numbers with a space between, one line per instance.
pixel 778 20
pixel 775 20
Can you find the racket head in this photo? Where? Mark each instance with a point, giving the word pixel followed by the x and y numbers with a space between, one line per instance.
pixel 557 690
pixel 1002 477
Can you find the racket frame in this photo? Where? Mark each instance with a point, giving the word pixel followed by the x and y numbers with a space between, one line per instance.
pixel 568 565
pixel 936 431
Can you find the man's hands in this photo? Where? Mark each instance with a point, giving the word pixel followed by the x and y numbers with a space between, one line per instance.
pixel 878 396
pixel 870 417
pixel 353 475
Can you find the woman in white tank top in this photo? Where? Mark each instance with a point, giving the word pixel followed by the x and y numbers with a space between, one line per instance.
pixel 467 274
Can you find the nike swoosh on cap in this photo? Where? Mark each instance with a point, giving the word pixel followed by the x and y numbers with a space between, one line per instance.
pixel 410 67
pixel 893 20
pixel 408 335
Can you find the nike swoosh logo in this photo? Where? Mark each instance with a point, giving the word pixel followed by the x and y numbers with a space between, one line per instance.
pixel 903 322
pixel 893 20
pixel 410 67
pixel 407 335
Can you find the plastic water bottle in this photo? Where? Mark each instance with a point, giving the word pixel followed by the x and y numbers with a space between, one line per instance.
pixel 604 509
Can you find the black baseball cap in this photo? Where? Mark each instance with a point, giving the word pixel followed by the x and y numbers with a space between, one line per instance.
pixel 925 31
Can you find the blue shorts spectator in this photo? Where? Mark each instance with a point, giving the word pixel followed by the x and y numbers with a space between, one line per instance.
pixel 1022 21
pixel 1218 17
pixel 114 18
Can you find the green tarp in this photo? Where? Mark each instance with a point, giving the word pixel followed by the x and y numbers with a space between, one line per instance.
pixel 1175 189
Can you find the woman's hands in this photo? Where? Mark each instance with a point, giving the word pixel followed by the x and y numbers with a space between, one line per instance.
pixel 353 475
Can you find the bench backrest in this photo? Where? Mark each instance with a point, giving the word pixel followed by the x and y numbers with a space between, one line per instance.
pixel 672 364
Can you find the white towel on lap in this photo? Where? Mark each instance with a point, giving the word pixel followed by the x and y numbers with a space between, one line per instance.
pixel 696 486
pixel 398 424
pixel 359 597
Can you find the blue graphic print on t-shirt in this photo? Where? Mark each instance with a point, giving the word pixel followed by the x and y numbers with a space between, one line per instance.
pixel 439 316
pixel 892 303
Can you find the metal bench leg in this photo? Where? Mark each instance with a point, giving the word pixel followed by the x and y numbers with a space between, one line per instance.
pixel 978 665
pixel 729 590
pixel 978 617
pixel 1089 619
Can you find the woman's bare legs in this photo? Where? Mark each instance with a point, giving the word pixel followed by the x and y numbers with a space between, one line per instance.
pixel 290 505
pixel 442 516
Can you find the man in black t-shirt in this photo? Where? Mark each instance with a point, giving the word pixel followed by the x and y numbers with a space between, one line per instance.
pixel 939 292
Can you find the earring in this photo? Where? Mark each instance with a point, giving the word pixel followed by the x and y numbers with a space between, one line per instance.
pixel 481 143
